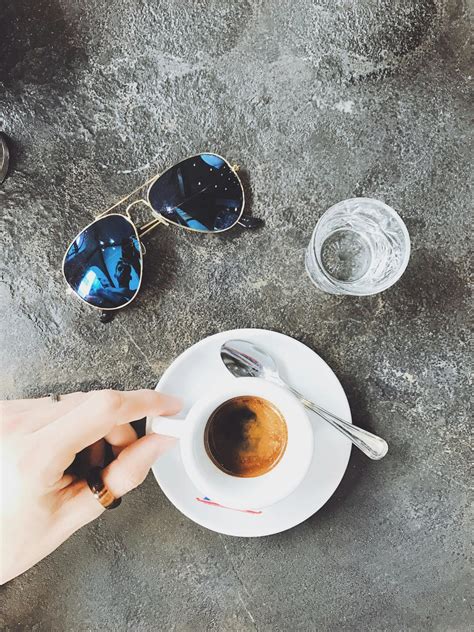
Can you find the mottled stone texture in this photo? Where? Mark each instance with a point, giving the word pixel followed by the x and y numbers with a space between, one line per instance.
pixel 318 101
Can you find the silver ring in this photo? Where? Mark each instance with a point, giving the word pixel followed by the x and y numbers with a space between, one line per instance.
pixel 54 397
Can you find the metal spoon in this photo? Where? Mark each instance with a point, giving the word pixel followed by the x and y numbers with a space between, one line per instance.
pixel 244 359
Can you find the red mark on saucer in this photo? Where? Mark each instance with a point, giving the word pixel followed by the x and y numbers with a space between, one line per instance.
pixel 208 501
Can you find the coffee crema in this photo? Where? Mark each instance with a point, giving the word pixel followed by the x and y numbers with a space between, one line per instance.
pixel 246 436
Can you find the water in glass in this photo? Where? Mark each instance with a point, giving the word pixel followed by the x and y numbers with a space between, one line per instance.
pixel 359 246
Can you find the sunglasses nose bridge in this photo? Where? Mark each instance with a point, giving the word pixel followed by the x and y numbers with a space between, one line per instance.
pixel 158 219
pixel 135 202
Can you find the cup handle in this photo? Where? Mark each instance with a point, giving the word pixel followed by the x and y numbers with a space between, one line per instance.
pixel 168 426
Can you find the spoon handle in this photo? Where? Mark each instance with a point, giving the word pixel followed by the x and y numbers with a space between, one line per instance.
pixel 371 445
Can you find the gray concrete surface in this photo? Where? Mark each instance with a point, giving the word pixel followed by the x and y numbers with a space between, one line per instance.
pixel 318 101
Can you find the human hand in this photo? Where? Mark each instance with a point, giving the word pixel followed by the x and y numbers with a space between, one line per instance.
pixel 42 504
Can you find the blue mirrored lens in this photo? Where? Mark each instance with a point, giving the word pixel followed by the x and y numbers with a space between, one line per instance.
pixel 103 264
pixel 201 192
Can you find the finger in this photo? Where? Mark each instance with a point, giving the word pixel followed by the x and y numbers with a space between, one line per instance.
pixel 131 466
pixel 92 456
pixel 121 437
pixel 97 416
pixel 121 476
pixel 19 406
pixel 65 481
pixel 95 454
pixel 46 411
pixel 29 415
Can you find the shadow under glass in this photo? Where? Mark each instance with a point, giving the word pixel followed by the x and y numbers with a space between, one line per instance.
pixel 103 264
pixel 202 193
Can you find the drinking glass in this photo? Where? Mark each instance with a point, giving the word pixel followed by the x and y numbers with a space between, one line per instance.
pixel 359 247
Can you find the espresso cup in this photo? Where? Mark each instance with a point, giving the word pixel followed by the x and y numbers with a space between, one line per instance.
pixel 233 491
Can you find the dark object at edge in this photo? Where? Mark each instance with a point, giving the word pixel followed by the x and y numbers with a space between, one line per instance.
pixel 4 158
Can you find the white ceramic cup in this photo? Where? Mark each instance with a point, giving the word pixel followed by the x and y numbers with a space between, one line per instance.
pixel 233 491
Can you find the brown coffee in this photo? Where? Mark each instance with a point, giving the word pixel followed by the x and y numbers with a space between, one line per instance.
pixel 246 436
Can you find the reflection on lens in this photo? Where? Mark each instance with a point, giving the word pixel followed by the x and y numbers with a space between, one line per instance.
pixel 103 264
pixel 202 193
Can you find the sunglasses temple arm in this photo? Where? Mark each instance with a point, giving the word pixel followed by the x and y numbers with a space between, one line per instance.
pixel 250 223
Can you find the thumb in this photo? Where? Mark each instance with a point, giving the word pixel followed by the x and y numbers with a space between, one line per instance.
pixel 125 473
pixel 131 466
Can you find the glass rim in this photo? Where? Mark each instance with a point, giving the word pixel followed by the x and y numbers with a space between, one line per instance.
pixel 347 287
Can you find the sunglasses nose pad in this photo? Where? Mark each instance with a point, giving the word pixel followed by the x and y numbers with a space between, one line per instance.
pixel 142 248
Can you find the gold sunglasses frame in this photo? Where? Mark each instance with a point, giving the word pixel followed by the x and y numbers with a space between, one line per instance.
pixel 146 228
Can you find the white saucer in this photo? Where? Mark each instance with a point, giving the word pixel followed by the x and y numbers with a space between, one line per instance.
pixel 199 370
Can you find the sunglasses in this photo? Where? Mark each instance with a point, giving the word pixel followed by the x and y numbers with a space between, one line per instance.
pixel 104 264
